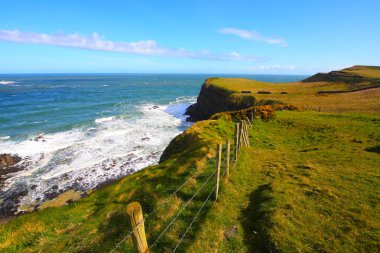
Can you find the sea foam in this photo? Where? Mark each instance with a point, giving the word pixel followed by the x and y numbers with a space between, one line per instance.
pixel 7 82
pixel 84 158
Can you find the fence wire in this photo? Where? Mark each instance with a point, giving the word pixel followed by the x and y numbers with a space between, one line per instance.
pixel 197 214
pixel 223 160
pixel 159 207
pixel 183 208
pixel 195 217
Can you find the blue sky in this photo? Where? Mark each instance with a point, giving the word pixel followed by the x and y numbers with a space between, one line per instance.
pixel 250 37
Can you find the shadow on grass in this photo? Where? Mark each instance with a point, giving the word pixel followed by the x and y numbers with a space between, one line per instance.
pixel 375 149
pixel 256 220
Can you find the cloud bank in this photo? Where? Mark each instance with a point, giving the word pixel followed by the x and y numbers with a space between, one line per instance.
pixel 276 66
pixel 252 35
pixel 97 42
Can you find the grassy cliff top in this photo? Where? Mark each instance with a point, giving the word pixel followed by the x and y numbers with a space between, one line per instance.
pixel 364 71
pixel 302 93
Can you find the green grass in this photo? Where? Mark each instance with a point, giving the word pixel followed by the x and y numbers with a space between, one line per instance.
pixel 304 94
pixel 308 184
pixel 365 71
pixel 98 222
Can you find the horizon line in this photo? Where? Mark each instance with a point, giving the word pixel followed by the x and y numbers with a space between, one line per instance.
pixel 144 73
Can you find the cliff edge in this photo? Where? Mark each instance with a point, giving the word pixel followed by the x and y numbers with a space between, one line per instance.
pixel 213 99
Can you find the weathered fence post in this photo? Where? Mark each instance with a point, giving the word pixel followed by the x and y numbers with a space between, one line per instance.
pixel 136 220
pixel 236 141
pixel 252 117
pixel 248 136
pixel 218 160
pixel 319 110
pixel 241 134
pixel 228 158
pixel 244 132
pixel 248 121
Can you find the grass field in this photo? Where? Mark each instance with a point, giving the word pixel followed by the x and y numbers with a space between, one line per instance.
pixel 307 184
pixel 306 94
pixel 310 182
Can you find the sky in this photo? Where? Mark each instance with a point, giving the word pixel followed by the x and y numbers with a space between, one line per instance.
pixel 188 36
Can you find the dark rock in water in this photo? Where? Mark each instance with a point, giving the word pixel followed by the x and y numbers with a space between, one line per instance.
pixel 145 139
pixel 9 164
pixel 11 201
pixel 264 92
pixel 154 107
pixel 245 91
pixel 284 92
pixel 51 194
pixel 7 160
pixel 40 137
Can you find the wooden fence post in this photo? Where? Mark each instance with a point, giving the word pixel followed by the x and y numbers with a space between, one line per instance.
pixel 228 158
pixel 218 160
pixel 248 121
pixel 247 133
pixel 252 117
pixel 241 134
pixel 244 133
pixel 136 220
pixel 236 141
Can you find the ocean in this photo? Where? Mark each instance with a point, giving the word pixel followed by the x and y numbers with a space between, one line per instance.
pixel 77 131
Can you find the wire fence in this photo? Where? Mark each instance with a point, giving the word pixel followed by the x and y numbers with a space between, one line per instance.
pixel 166 201
pixel 219 163
pixel 183 208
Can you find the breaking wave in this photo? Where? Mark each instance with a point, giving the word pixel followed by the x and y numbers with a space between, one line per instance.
pixel 84 158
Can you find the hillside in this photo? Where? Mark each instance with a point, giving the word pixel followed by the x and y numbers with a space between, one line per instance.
pixel 218 94
pixel 310 182
pixel 355 74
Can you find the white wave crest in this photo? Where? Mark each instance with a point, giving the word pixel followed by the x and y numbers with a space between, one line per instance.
pixel 102 120
pixel 84 158
pixel 7 82
pixel 3 138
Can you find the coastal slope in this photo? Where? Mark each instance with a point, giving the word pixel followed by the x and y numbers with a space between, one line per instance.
pixel 309 182
pixel 353 89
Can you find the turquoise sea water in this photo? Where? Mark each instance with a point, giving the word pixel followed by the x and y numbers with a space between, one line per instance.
pixel 76 131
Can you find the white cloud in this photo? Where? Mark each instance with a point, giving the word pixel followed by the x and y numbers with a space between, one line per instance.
pixel 252 35
pixel 96 42
pixel 276 66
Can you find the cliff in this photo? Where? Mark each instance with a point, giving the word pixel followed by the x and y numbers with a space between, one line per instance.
pixel 342 90
pixel 213 99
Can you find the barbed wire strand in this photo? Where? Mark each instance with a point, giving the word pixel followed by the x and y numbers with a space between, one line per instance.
pixel 195 217
pixel 157 208
pixel 183 208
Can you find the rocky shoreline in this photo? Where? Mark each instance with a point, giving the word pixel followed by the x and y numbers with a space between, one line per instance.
pixel 10 199
pixel 29 182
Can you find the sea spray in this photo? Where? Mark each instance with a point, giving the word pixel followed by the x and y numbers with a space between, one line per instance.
pixel 82 159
